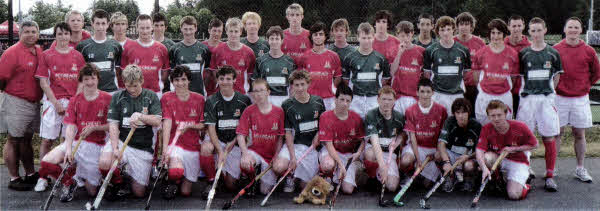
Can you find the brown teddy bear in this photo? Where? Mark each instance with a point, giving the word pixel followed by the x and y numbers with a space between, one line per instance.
pixel 316 191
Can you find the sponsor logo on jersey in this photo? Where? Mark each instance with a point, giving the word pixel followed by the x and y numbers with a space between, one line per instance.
pixel 74 68
pixel 155 59
pixel 242 63
pixel 303 46
pixel 284 71
pixel 414 62
pixel 254 127
pixel 91 55
pixel 198 57
pixel 376 66
pixel 505 66
pixel 440 60
pixel 145 110
pixel 268 70
pixel 528 64
pixel 125 110
pixel 275 126
pixel 110 55
pixel 193 113
pixel 352 132
pixel 316 114
pixel 457 60
pixel 100 113
pixel 486 66
pixel 327 65
pixel 433 124
pixel 548 64
pixel 237 113
pixel 261 53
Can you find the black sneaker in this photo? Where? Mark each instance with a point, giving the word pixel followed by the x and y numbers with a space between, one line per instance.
pixel 170 190
pixel 373 185
pixel 32 180
pixel 19 185
pixel 67 193
pixel 111 192
pixel 124 189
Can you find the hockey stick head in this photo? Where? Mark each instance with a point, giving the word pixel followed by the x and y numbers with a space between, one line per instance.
pixel 424 204
pixel 88 206
pixel 226 206
pixel 399 204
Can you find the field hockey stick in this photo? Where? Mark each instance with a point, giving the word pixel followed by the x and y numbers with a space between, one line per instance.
pixel 161 167
pixel 423 201
pixel 59 179
pixel 410 181
pixel 382 203
pixel 243 191
pixel 337 189
pixel 487 179
pixel 211 193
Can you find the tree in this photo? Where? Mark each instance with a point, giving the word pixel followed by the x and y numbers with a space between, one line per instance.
pixel 47 15
pixel 127 7
pixel 3 11
pixel 176 11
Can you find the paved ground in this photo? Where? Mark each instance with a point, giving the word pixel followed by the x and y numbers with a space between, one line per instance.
pixel 572 195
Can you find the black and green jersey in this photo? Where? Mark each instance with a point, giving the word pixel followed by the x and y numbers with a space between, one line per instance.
pixel 260 47
pixel 275 71
pixel 416 41
pixel 385 129
pixel 342 52
pixel 303 118
pixel 168 43
pixel 460 140
pixel 365 72
pixel 106 55
pixel 447 66
pixel 122 106
pixel 196 57
pixel 225 114
pixel 538 68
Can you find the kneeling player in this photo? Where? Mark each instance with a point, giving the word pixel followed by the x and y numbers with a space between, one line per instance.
pixel 85 117
pixel 384 126
pixel 342 132
pixel 183 112
pixel 134 107
pixel 506 135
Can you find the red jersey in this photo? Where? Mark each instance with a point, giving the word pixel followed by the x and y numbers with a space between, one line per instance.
pixel 388 48
pixel 210 86
pixel 83 113
pixel 125 44
pixel 497 68
pixel 210 48
pixel 346 135
pixel 19 65
pixel 62 70
pixel 152 58
pixel 473 44
pixel 517 135
pixel 426 127
pixel 295 45
pixel 322 68
pixel 189 112
pixel 581 66
pixel 84 36
pixel 242 60
pixel 266 129
pixel 409 72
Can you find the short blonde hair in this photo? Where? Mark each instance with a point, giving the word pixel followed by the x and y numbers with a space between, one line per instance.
pixel 294 6
pixel 132 73
pixel 118 17
pixel 365 28
pixel 251 15
pixel 233 22
pixel 73 12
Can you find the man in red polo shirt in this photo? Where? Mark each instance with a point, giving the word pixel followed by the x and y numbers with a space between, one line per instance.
pixel 20 110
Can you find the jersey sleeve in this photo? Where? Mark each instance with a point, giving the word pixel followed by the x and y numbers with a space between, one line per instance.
pixel 467 62
pixel 476 60
pixel 165 58
pixel 114 110
pixel 210 114
pixel 172 57
pixel 557 64
pixel 42 71
pixel 201 109
pixel 427 60
pixel 371 125
pixel 445 132
pixel 124 58
pixel 528 138
pixel 594 67
pixel 165 108
pixel 207 55
pixel 8 62
pixel 522 61
pixel 347 66
pixel 337 71
pixel 325 133
pixel 214 58
pixel 154 108
pixel 70 114
pixel 361 129
pixel 118 54
pixel 252 60
pixel 409 125
pixel 288 125
pixel 385 69
pixel 243 127
pixel 256 74
pixel 483 140
pixel 281 123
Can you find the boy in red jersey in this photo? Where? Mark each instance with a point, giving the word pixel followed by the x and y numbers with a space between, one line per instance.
pixel 215 30
pixel 76 23
pixel 506 135
pixel 406 68
pixel 385 43
pixel 296 39
pixel 517 41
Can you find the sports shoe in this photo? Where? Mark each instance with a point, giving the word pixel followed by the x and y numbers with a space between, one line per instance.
pixel 111 192
pixel 19 185
pixel 468 186
pixel 170 191
pixel 531 173
pixel 67 193
pixel 583 175
pixel 289 185
pixel 550 185
pixel 41 185
pixel 206 191
pixel 449 185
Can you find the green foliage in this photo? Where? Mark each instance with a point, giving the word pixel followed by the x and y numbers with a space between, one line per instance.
pixel 47 15
pixel 128 7
pixel 3 11
pixel 176 11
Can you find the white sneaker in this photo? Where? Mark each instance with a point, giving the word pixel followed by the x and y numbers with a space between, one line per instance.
pixel 289 185
pixel 41 185
pixel 580 173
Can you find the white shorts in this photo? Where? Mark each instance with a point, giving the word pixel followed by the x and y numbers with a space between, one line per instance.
pixel 138 163
pixel 350 177
pixel 515 171
pixel 446 100
pixel 329 103
pixel 308 167
pixel 483 99
pixel 431 171
pixel 190 161
pixel 403 103
pixel 232 166
pixel 86 158
pixel 277 100
pixel 539 110
pixel 363 104
pixel 51 122
pixel 574 111
pixel 392 164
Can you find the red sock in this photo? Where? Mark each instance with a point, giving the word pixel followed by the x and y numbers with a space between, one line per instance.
pixel 49 169
pixel 207 164
pixel 371 168
pixel 67 180
pixel 525 191
pixel 550 155
pixel 175 174
pixel 116 178
pixel 249 172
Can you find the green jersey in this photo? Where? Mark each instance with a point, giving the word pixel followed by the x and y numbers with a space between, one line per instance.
pixel 260 47
pixel 342 52
pixel 225 114
pixel 168 43
pixel 460 140
pixel 275 71
pixel 106 55
pixel 122 106
pixel 538 68
pixel 385 129
pixel 303 118
pixel 365 72
pixel 447 66
pixel 195 57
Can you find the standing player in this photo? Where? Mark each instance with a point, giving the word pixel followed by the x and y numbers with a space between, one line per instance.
pixel 302 112
pixel 426 36
pixel 385 43
pixel 406 68
pixel 134 107
pixel 384 128
pixel 582 70
pixel 342 132
pixel 160 26
pixel 76 23
pixel 183 111
pixel 193 54
pixel 57 73
pixel 366 69
pixel 20 110
pixel 340 31
pixel 495 68
pixel 151 56
pixel 446 60
pixel 323 65
pixel 235 54
pixel 102 52
pixel 518 41
pixel 275 67
pixel 215 30
pixel 540 69
pixel 85 117
pixel 251 22
pixel 119 25
pixel 502 135
pixel 296 40
pixel 424 121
